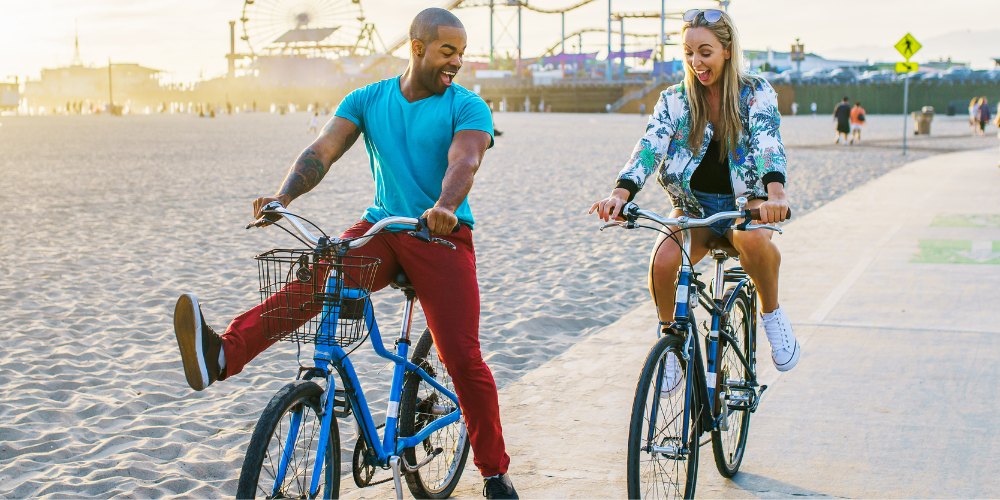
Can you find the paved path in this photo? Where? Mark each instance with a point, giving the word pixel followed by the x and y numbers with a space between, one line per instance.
pixel 893 290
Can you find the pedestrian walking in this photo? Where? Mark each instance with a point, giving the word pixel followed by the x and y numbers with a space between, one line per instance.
pixel 857 121
pixel 812 107
pixel 974 115
pixel 795 108
pixel 842 115
pixel 983 116
pixel 313 123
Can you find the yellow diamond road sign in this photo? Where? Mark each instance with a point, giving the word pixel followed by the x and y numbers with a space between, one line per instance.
pixel 908 46
pixel 906 67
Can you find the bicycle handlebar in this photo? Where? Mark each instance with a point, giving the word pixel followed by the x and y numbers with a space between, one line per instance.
pixel 273 211
pixel 631 212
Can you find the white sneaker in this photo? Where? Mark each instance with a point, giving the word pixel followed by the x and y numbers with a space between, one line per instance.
pixel 672 376
pixel 785 348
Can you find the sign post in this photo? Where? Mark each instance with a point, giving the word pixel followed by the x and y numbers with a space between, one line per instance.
pixel 907 46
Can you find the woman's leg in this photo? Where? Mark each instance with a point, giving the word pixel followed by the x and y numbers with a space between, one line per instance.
pixel 760 257
pixel 665 261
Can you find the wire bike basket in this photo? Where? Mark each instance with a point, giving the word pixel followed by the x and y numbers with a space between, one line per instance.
pixel 313 298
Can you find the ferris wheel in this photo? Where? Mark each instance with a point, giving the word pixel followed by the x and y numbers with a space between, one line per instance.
pixel 303 27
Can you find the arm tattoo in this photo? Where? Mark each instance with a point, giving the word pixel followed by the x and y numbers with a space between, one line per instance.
pixel 304 175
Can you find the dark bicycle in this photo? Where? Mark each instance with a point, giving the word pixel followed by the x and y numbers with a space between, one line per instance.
pixel 680 395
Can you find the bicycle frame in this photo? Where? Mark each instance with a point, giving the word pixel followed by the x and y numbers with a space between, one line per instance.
pixel 390 445
pixel 689 292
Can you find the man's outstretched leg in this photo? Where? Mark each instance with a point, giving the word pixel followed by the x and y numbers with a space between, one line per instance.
pixel 201 347
pixel 208 357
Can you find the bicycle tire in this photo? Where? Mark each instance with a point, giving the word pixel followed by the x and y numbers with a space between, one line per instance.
pixel 264 453
pixel 729 446
pixel 683 481
pixel 439 477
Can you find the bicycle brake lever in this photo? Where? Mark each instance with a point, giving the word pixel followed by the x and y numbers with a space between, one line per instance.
pixel 751 227
pixel 621 224
pixel 268 216
pixel 443 242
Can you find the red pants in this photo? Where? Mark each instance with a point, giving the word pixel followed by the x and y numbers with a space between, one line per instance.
pixel 446 285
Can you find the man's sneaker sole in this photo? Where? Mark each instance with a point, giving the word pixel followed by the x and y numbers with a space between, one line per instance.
pixel 788 365
pixel 187 329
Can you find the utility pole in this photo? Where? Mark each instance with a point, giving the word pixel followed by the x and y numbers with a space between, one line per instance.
pixel 607 71
pixel 232 50
pixel 663 32
pixel 492 60
pixel 111 95
pixel 621 27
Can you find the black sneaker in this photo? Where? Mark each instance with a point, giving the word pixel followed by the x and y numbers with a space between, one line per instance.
pixel 199 344
pixel 498 487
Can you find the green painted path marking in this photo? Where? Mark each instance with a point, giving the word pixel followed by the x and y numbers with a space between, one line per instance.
pixel 966 220
pixel 958 252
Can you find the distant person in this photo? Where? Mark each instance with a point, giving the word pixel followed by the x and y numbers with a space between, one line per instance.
pixel 733 140
pixel 426 137
pixel 974 115
pixel 642 109
pixel 984 115
pixel 997 123
pixel 313 123
pixel 857 121
pixel 795 108
pixel 842 115
pixel 812 107
pixel 496 131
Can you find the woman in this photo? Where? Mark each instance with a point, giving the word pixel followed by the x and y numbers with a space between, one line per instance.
pixel 712 138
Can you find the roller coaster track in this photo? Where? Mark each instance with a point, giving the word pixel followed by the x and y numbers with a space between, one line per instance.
pixel 551 50
pixel 524 5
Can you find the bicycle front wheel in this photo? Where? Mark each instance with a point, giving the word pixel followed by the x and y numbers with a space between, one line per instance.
pixel 661 463
pixel 420 405
pixel 290 427
pixel 728 445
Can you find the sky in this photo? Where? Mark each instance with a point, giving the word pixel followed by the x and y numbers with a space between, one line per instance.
pixel 188 39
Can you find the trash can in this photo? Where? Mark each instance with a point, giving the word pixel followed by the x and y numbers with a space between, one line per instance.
pixel 922 120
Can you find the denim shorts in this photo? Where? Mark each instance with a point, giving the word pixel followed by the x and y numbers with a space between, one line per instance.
pixel 713 203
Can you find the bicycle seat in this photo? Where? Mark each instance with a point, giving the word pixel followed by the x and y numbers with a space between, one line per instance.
pixel 723 245
pixel 400 281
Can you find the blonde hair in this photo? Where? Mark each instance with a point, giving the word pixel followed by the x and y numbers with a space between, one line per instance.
pixel 729 127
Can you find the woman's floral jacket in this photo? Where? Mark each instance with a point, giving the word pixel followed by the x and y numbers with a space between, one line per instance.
pixel 757 159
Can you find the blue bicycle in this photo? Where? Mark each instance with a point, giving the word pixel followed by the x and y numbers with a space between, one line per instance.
pixel 679 396
pixel 320 295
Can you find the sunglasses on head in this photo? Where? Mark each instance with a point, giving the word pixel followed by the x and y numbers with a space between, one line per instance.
pixel 711 16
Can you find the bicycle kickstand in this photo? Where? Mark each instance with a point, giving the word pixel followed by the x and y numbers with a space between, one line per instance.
pixel 396 474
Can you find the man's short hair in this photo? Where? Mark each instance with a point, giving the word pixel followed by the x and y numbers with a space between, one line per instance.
pixel 425 26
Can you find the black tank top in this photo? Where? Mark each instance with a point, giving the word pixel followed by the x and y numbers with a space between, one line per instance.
pixel 712 175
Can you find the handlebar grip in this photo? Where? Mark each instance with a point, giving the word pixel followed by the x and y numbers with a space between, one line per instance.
pixel 754 214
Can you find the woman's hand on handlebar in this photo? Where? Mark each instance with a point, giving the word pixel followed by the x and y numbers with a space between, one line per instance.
pixel 775 209
pixel 611 207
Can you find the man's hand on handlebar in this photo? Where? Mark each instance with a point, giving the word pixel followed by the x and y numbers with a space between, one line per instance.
pixel 259 204
pixel 610 208
pixel 440 220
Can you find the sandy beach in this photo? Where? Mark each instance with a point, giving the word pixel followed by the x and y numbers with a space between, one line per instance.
pixel 109 219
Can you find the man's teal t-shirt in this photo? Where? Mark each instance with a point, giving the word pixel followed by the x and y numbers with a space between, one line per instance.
pixel 408 143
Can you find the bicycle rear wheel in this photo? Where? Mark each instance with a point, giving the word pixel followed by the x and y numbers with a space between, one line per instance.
pixel 421 404
pixel 728 446
pixel 664 466
pixel 298 401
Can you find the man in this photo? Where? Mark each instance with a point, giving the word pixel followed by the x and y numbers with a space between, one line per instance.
pixel 425 138
pixel 842 115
